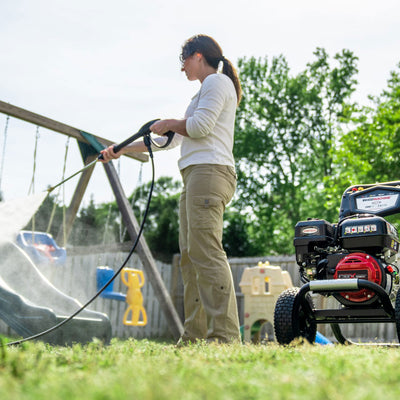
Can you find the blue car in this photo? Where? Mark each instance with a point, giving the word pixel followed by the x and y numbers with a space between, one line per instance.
pixel 41 248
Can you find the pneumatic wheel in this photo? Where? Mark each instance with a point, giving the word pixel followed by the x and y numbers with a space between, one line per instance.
pixel 397 313
pixel 290 323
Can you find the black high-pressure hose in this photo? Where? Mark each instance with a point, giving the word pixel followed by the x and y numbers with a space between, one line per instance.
pixel 145 133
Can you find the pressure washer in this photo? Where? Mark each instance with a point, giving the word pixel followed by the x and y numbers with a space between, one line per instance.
pixel 145 133
pixel 355 260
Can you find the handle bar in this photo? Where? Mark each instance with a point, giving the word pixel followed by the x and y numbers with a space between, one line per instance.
pixel 144 130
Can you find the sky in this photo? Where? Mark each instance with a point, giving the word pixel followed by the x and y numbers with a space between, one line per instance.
pixel 108 67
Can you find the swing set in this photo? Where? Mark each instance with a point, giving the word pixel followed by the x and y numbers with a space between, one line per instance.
pixel 90 146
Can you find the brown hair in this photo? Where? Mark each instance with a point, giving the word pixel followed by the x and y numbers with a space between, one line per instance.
pixel 212 52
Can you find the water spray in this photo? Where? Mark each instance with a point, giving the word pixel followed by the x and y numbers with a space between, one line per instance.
pixel 145 133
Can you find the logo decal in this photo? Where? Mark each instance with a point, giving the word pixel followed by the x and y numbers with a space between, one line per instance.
pixel 310 230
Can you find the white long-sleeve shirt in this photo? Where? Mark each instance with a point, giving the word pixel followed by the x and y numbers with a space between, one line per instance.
pixel 210 123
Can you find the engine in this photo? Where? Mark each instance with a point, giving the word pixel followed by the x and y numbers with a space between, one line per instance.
pixel 362 246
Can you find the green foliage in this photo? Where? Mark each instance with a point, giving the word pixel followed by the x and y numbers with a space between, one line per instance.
pixel 236 235
pixel 371 151
pixel 151 370
pixel 285 129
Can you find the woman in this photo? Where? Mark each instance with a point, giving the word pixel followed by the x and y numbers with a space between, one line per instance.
pixel 207 168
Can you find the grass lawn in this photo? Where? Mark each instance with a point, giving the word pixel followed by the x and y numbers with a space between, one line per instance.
pixel 147 369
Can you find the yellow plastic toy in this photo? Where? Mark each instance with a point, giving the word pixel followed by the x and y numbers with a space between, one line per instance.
pixel 134 279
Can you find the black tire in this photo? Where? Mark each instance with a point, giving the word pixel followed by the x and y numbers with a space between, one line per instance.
pixel 287 327
pixel 397 314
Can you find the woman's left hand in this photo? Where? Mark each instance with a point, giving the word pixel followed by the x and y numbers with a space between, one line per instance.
pixel 160 127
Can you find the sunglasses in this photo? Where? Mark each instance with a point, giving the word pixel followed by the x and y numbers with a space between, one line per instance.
pixel 186 53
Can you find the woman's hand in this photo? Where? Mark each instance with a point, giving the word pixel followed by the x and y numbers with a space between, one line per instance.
pixel 160 127
pixel 109 154
pixel 164 125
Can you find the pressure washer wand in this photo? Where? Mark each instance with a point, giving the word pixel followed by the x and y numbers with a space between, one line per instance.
pixel 144 130
pixel 70 177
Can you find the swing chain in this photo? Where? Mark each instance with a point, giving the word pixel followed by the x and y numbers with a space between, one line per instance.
pixel 4 151
pixel 32 185
pixel 58 193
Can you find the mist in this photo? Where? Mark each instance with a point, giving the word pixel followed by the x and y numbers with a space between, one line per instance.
pixel 29 302
pixel 15 215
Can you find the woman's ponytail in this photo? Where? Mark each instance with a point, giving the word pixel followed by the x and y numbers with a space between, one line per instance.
pixel 212 52
pixel 229 70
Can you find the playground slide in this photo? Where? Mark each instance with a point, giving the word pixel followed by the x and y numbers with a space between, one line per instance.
pixel 30 304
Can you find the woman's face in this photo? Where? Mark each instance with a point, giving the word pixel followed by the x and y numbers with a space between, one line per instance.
pixel 191 66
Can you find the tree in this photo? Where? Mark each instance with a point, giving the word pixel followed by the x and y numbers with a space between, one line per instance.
pixel 236 238
pixel 162 224
pixel 370 152
pixel 285 129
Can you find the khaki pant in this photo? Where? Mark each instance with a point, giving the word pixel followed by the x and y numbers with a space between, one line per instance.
pixel 209 293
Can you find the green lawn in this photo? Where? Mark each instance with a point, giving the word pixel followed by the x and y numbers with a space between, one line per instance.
pixel 158 370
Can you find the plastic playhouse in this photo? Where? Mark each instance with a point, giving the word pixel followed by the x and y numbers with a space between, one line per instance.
pixel 261 286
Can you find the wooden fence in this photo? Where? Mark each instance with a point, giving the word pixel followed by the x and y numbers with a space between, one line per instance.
pixel 78 279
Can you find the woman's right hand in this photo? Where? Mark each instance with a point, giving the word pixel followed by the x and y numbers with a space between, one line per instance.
pixel 109 154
